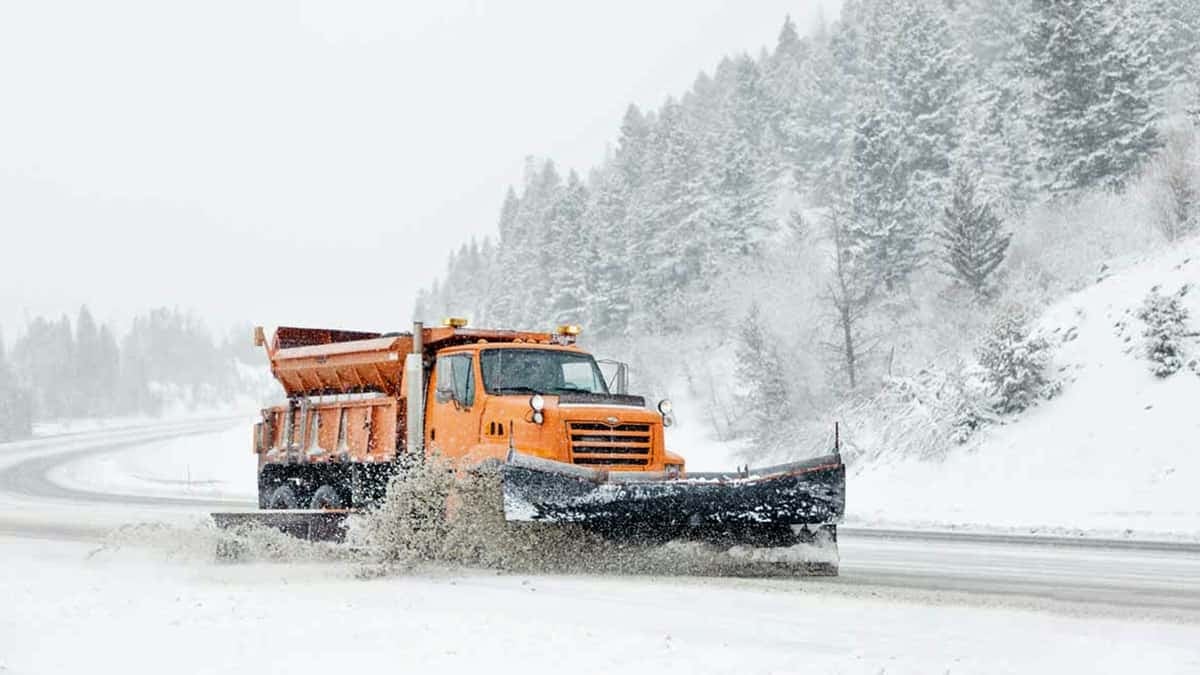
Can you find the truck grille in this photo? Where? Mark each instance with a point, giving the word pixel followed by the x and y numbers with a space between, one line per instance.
pixel 599 444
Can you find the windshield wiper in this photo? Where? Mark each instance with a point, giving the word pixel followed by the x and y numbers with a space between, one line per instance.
pixel 515 389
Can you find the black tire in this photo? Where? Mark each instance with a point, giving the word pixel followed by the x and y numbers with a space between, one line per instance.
pixel 283 498
pixel 326 497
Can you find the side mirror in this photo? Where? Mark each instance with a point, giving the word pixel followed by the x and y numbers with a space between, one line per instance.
pixel 616 375
pixel 260 336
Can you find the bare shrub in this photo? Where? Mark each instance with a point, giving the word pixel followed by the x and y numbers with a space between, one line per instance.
pixel 1176 186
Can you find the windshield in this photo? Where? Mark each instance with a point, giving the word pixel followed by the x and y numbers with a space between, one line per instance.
pixel 539 371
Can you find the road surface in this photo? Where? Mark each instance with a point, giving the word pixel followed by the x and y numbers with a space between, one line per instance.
pixel 1081 575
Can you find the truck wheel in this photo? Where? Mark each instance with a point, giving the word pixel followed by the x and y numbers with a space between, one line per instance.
pixel 326 497
pixel 283 498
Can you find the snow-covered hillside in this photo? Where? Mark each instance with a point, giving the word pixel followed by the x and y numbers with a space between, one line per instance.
pixel 1118 451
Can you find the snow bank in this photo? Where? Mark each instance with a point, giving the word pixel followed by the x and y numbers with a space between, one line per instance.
pixel 1117 452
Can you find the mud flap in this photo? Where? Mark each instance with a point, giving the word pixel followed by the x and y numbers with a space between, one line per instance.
pixel 761 507
pixel 309 525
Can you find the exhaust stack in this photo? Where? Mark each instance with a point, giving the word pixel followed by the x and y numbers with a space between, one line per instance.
pixel 414 376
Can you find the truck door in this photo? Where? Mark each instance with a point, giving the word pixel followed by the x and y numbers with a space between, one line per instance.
pixel 452 417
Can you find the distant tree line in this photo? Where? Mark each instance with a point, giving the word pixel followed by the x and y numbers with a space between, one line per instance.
pixel 64 369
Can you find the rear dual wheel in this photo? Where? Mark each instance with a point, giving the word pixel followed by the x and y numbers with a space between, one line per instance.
pixel 283 497
pixel 325 498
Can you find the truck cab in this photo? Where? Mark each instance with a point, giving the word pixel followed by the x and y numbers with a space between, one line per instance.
pixel 544 399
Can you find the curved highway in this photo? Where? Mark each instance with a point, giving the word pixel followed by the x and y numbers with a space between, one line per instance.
pixel 1152 579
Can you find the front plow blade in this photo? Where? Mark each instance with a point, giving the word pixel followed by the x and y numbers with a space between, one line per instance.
pixel 763 507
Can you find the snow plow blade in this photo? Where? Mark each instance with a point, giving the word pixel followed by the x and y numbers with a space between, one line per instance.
pixel 774 506
pixel 310 525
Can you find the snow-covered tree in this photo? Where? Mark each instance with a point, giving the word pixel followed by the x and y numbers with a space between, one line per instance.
pixel 760 369
pixel 994 127
pixel 1168 33
pixel 94 367
pixel 1096 113
pixel 16 407
pixel 1166 327
pixel 1014 360
pixel 973 239
pixel 568 243
pixel 814 124
pixel 609 268
pixel 741 188
pixel 669 249
pixel 42 358
pixel 504 306
pixel 884 231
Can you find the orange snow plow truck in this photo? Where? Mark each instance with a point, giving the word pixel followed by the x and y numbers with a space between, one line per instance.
pixel 571 445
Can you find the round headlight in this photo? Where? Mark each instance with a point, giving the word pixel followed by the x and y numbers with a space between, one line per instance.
pixel 538 417
pixel 665 407
pixel 537 403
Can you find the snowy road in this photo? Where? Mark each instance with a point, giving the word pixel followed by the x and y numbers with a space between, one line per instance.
pixel 1142 576
pixel 34 505
pixel 906 602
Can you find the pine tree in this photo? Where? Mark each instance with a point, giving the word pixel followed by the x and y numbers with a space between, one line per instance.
pixel 43 358
pixel 611 221
pixel 610 264
pixel 742 176
pixel 88 369
pixel 973 240
pixel 1095 116
pixel 566 238
pixel 632 146
pixel 925 76
pixel 510 249
pixel 900 56
pixel 884 232
pixel 1165 328
pixel 761 368
pixel 996 135
pixel 667 215
pixel 1168 33
pixel 1014 361
pixel 16 413
pixel 815 124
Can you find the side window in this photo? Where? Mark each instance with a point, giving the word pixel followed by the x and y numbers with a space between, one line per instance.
pixel 456 380
pixel 579 375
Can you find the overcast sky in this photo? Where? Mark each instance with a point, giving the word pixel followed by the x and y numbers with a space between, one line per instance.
pixel 307 163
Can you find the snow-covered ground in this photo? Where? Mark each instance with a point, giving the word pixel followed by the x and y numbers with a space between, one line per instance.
pixel 71 609
pixel 210 465
pixel 1117 453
